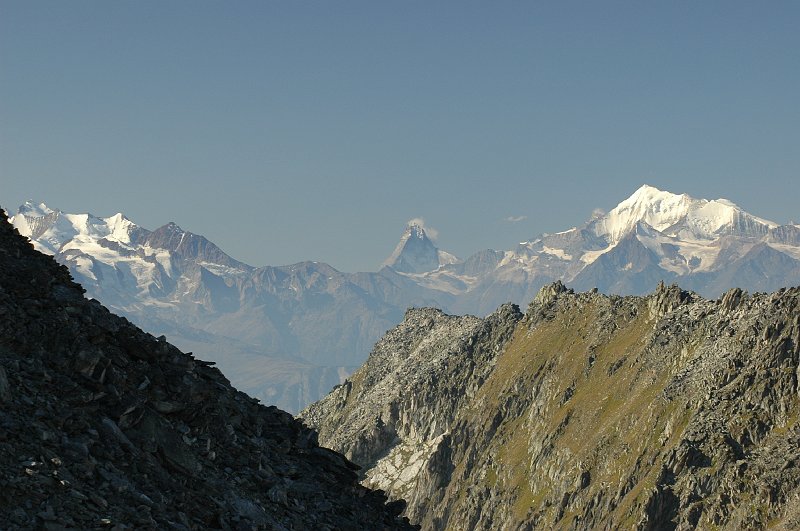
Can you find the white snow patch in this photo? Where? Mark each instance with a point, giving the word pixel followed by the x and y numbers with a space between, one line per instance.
pixel 560 253
pixel 442 280
pixel 84 265
pixel 590 256
pixel 446 258
pixel 573 229
pixel 119 228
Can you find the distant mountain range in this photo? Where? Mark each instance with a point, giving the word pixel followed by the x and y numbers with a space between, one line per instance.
pixel 706 246
pixel 287 334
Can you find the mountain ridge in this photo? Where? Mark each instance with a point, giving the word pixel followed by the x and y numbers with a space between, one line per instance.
pixel 590 411
pixel 105 426
pixel 174 280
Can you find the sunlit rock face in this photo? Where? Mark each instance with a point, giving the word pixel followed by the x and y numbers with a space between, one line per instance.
pixel 664 411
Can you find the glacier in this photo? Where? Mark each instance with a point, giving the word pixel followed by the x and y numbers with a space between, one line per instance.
pixel 287 334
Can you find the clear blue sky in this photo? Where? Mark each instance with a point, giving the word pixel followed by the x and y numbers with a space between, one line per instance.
pixel 286 131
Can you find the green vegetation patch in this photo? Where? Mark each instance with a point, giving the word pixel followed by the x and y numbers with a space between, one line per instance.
pixel 587 393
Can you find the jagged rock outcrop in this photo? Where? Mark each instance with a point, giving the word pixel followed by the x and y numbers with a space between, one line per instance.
pixel 396 411
pixel 105 426
pixel 667 411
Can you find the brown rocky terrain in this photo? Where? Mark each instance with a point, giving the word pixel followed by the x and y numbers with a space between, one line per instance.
pixel 666 411
pixel 105 426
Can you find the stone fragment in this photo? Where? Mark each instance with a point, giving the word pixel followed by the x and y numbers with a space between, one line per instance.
pixel 5 386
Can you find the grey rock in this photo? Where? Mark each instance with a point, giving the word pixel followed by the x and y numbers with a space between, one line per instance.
pixel 84 444
pixel 5 386
pixel 667 411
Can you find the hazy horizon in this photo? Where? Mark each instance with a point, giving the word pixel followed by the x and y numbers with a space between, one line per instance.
pixel 314 131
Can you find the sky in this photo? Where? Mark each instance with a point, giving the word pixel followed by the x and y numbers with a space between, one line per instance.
pixel 290 131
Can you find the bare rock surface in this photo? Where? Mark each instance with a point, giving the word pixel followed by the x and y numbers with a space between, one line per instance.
pixel 105 426
pixel 666 411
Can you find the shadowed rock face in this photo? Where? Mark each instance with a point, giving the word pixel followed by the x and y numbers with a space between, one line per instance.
pixel 102 424
pixel 666 411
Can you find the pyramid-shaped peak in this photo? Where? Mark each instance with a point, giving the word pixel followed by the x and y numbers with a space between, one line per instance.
pixel 416 231
pixel 415 228
pixel 416 252
pixel 170 237
pixel 171 227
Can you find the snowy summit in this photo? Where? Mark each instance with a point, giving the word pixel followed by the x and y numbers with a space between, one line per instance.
pixel 679 216
pixel 416 253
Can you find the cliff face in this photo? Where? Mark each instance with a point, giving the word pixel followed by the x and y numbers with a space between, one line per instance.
pixel 658 412
pixel 103 425
pixel 398 408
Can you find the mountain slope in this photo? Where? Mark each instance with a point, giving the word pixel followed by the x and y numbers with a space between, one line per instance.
pixel 590 412
pixel 652 235
pixel 287 334
pixel 103 425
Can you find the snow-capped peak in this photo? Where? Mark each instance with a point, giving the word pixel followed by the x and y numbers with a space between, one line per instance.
pixel 647 194
pixel 678 215
pixel 416 252
pixel 34 210
pixel 53 230
pixel 414 230
pixel 119 227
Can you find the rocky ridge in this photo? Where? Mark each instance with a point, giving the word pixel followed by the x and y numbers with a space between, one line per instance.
pixel 287 334
pixel 666 411
pixel 105 426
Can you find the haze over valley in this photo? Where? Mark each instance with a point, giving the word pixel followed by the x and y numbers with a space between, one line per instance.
pixel 399 265
pixel 288 334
